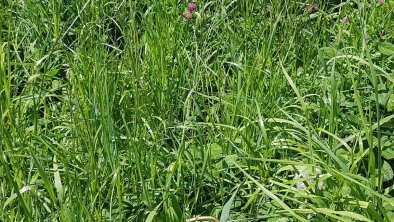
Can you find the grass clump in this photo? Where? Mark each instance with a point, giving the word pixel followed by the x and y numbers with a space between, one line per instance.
pixel 241 110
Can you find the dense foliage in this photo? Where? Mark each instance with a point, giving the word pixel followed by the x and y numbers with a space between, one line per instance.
pixel 246 110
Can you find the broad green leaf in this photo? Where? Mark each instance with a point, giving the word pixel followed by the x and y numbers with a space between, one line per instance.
pixel 66 214
pixel 390 103
pixel 55 84
pixel 57 181
pixel 174 210
pixel 227 208
pixel 387 100
pixel 345 190
pixel 216 150
pixel 51 73
pixel 153 213
pixel 33 77
pixel 362 204
pixel 387 171
pixel 238 140
pixel 328 51
pixel 390 215
pixel 231 159
pixel 386 48
pixel 343 154
pixel 388 206
pixel 388 154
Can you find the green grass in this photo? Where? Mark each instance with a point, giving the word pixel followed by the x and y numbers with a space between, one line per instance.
pixel 251 111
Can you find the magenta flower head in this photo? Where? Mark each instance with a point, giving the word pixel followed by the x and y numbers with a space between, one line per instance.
pixel 187 15
pixel 381 1
pixel 192 6
pixel 345 20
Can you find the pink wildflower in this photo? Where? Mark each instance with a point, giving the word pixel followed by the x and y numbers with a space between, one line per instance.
pixel 345 20
pixel 187 15
pixel 192 6
pixel 381 1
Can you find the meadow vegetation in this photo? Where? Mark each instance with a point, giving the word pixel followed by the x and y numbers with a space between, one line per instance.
pixel 133 110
